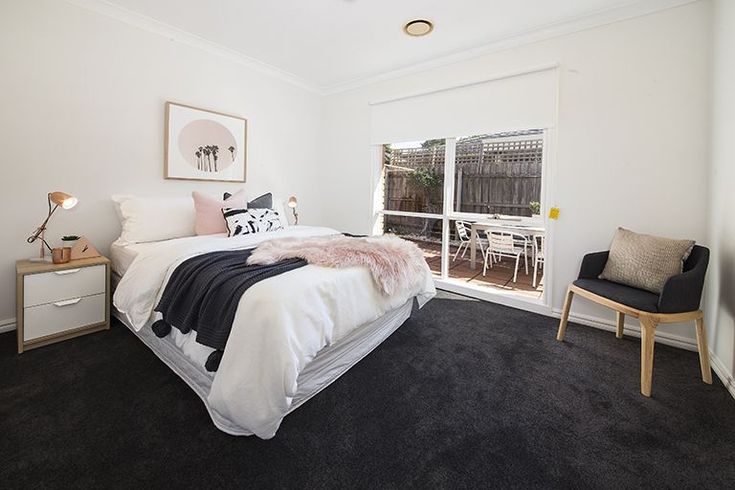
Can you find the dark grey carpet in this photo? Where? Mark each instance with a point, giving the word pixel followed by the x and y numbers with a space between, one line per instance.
pixel 465 395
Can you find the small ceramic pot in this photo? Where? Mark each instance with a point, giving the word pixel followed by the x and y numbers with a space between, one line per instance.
pixel 61 255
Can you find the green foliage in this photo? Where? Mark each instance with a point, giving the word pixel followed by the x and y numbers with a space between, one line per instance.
pixel 387 154
pixel 424 178
pixel 535 207
pixel 69 238
pixel 432 143
pixel 474 137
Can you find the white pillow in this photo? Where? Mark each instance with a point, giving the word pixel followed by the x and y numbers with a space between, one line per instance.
pixel 151 219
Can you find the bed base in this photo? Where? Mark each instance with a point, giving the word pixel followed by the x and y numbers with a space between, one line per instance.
pixel 328 365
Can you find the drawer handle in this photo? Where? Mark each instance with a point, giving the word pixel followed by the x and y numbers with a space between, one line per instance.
pixel 68 302
pixel 67 271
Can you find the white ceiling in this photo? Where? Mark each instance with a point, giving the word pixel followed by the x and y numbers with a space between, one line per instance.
pixel 328 43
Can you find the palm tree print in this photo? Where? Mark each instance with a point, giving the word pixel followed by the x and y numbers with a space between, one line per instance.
pixel 200 158
pixel 232 152
pixel 207 154
pixel 215 150
pixel 207 157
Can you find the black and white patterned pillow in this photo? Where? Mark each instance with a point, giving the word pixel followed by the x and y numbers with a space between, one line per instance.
pixel 242 221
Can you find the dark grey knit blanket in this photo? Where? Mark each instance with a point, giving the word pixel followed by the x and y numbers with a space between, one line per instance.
pixel 204 291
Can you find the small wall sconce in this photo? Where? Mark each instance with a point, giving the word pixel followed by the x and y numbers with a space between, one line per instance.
pixel 293 203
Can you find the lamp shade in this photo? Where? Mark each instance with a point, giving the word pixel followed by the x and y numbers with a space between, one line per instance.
pixel 66 201
pixel 292 202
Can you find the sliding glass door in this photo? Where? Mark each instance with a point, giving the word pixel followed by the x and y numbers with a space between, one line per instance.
pixel 457 197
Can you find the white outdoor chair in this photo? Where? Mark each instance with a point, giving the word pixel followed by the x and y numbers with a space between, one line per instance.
pixel 506 244
pixel 539 254
pixel 463 233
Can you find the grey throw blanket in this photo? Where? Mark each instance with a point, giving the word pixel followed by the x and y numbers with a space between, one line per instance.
pixel 204 291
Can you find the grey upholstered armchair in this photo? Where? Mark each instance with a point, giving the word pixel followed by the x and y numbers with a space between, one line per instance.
pixel 678 302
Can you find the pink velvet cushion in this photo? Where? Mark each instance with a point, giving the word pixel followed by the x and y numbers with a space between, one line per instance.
pixel 209 219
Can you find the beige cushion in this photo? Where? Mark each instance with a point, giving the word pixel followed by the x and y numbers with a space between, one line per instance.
pixel 645 261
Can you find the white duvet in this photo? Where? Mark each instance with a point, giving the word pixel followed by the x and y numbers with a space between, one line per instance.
pixel 280 325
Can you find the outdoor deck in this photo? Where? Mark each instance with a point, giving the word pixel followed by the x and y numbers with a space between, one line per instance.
pixel 499 277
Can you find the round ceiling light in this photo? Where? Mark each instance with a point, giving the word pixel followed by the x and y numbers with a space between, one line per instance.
pixel 418 27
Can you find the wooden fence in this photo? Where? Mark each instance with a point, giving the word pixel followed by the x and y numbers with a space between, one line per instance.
pixel 491 177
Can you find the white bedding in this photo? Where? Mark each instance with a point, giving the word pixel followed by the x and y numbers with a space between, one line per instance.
pixel 121 256
pixel 280 326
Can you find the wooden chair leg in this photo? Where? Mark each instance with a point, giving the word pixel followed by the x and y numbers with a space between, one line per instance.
pixel 620 317
pixel 703 352
pixel 565 315
pixel 648 334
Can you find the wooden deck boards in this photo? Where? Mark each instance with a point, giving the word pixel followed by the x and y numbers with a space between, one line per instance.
pixel 500 276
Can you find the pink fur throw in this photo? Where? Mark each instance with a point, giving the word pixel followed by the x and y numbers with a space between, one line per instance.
pixel 395 264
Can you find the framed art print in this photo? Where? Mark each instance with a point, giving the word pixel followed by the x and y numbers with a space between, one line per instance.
pixel 204 145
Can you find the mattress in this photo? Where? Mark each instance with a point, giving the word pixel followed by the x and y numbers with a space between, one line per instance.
pixel 328 365
pixel 122 254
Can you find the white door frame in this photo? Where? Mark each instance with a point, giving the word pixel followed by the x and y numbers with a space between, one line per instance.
pixel 542 305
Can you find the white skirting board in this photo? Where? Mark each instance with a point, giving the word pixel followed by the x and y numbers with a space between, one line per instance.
pixel 634 330
pixel 665 338
pixel 661 337
pixel 7 325
pixel 721 371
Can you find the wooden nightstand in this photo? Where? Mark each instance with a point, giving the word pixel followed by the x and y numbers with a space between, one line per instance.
pixel 56 302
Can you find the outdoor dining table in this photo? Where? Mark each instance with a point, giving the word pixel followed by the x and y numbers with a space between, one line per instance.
pixel 527 230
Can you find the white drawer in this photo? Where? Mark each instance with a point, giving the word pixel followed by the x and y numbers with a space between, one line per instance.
pixel 49 287
pixel 40 321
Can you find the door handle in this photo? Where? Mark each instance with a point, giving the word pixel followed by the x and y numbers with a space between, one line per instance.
pixel 68 302
pixel 67 271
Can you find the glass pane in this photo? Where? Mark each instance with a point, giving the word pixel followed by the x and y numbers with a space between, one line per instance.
pixel 425 232
pixel 414 176
pixel 501 266
pixel 499 173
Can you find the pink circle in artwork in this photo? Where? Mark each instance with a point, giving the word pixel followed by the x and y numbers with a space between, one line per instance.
pixel 207 145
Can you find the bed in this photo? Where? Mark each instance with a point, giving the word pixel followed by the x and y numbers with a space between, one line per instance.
pixel 292 335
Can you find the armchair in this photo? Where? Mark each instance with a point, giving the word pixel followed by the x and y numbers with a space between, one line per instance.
pixel 678 302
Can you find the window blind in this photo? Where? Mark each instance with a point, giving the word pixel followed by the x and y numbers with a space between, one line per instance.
pixel 507 104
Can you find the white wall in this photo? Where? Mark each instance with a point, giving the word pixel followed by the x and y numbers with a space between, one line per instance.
pixel 82 99
pixel 82 110
pixel 720 304
pixel 632 134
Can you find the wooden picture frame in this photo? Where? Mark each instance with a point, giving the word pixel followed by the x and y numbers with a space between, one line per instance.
pixel 204 145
